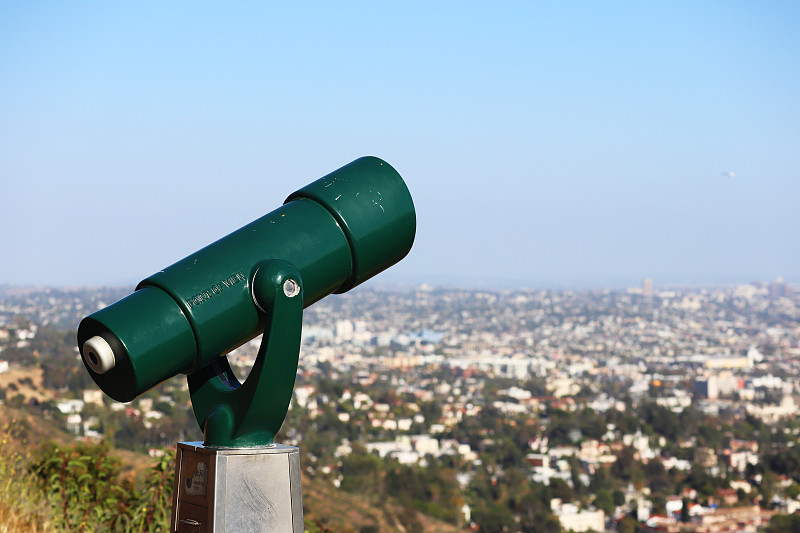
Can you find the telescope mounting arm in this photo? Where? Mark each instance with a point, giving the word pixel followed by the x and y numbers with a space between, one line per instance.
pixel 249 414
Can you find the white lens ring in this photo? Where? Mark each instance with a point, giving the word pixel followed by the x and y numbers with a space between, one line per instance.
pixel 98 355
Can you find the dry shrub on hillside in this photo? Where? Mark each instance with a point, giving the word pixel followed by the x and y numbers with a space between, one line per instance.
pixel 21 507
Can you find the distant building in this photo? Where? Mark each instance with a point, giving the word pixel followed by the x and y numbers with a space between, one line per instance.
pixel 538 460
pixel 425 444
pixel 705 457
pixel 69 407
pixel 390 449
pixel 674 505
pixel 73 423
pixel 733 519
pixel 647 288
pixel 465 510
pixel 730 520
pixel 779 289
pixel 94 396
pixel 728 497
pixel 573 519
pixel 717 385
pixel 737 484
pixel 772 413
pixel 344 329
pixel 738 460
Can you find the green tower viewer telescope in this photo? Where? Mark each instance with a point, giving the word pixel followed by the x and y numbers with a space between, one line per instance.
pixel 327 237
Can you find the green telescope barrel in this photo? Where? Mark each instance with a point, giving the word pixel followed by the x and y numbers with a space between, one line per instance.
pixel 337 231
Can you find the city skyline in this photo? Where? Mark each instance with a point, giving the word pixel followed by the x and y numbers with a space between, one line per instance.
pixel 608 408
pixel 561 146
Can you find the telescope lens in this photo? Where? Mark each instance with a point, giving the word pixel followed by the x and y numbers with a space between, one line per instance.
pixel 98 355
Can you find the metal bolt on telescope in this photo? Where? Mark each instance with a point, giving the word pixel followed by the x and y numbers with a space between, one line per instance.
pixel 328 237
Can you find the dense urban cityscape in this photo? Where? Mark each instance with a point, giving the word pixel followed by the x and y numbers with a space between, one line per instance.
pixel 646 409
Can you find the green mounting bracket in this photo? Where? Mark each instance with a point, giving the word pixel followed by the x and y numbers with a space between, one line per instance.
pixel 249 414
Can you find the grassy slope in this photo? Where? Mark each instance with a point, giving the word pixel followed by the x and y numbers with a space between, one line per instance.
pixel 343 512
pixel 21 507
pixel 336 510
pixel 16 374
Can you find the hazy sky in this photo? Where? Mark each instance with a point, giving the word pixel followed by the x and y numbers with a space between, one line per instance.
pixel 577 144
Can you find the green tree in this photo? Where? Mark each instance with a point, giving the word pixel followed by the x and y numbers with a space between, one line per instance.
pixel 628 525
pixel 591 424
pixel 710 435
pixel 625 466
pixel 561 489
pixel 605 501
pixel 660 420
pixel 560 425
pixel 362 472
pixel 767 487
pixel 432 490
pixel 657 477
pixel 783 524
pixel 533 509
pixel 792 491
pixel 601 480
pixel 493 518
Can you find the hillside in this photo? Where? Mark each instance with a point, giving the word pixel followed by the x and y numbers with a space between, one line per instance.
pixel 326 508
pixel 342 512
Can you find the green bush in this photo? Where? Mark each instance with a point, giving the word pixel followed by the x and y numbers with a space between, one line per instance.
pixel 86 493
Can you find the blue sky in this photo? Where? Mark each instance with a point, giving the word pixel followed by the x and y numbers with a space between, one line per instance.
pixel 545 144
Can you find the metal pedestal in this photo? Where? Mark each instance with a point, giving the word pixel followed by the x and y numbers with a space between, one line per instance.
pixel 236 490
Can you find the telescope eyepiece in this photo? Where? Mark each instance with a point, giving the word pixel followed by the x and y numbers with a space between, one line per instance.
pixel 98 355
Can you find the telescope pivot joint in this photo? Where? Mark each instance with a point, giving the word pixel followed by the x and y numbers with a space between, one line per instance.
pixel 249 414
